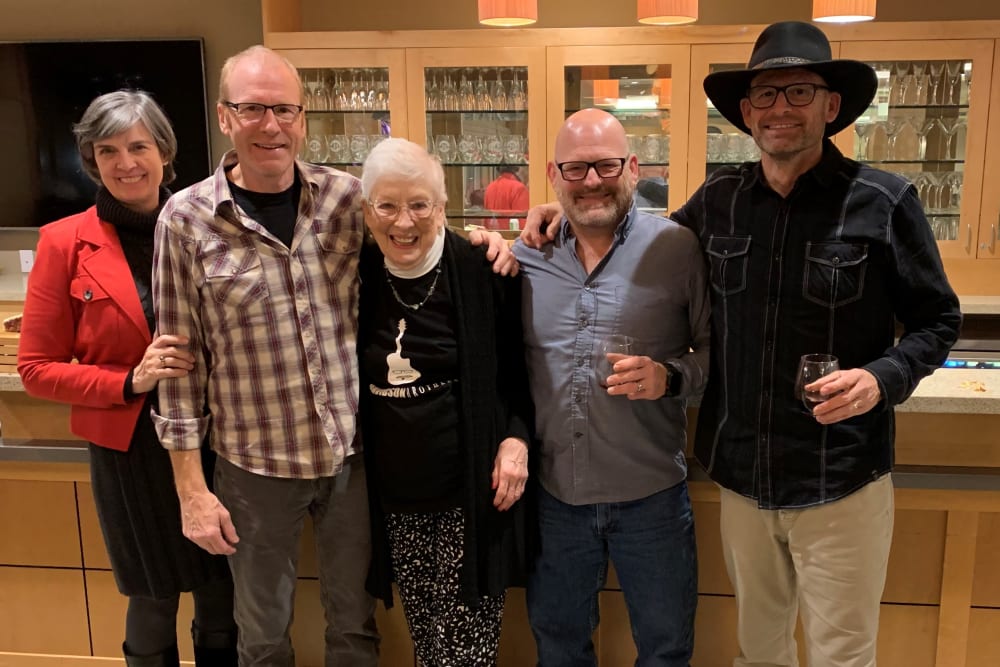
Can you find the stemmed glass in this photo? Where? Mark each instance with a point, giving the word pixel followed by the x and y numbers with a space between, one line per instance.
pixel 309 99
pixel 498 93
pixel 433 100
pixel 382 91
pixel 900 69
pixel 919 82
pixel 862 129
pixel 466 93
pixel 811 368
pixel 483 100
pixel 953 88
pixel 518 98
pixel 934 96
pixel 339 98
pixel 449 93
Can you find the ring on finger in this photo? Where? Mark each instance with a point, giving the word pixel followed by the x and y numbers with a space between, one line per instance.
pixel 638 387
pixel 857 404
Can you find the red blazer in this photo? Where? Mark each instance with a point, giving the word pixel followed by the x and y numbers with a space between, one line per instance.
pixel 82 304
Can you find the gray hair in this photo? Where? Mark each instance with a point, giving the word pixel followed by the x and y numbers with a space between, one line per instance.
pixel 117 112
pixel 399 158
pixel 255 51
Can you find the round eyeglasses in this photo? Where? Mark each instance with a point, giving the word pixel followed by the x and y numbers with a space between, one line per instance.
pixel 389 211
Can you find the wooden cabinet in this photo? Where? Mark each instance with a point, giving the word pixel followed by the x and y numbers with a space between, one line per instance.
pixel 936 117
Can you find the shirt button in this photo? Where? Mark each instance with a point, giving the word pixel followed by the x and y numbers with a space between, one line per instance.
pixel 577 399
pixel 578 435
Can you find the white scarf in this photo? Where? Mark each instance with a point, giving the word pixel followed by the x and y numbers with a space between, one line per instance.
pixel 425 265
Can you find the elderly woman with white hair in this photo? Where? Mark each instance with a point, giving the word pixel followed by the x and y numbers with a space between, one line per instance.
pixel 87 339
pixel 445 413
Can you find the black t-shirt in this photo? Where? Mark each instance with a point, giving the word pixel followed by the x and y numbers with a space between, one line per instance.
pixel 274 211
pixel 411 361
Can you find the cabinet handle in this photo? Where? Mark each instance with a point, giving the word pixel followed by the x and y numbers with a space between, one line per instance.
pixel 968 244
pixel 993 238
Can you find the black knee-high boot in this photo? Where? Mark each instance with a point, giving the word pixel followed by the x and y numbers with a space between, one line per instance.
pixel 214 649
pixel 166 658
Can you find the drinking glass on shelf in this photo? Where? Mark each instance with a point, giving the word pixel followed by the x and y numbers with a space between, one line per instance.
pixel 469 150
pixel 375 139
pixel 492 149
pixel 935 94
pixel 483 100
pixel 652 145
pixel 446 148
pixel 861 129
pixel 513 149
pixel 432 98
pixel 308 99
pixel 899 82
pixel 952 187
pixel 953 85
pixel 920 82
pixel 811 368
pixel 315 148
pixel 498 93
pixel 449 93
pixel 466 93
pixel 339 100
pixel 518 97
pixel 905 140
pixel 382 91
pixel 665 149
pixel 614 344
pixel 878 142
pixel 955 137
pixel 338 148
pixel 715 145
pixel 359 147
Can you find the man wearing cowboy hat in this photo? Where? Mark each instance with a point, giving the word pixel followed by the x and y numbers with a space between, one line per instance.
pixel 808 252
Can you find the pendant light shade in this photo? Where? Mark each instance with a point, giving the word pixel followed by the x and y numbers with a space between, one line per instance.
pixel 508 13
pixel 666 12
pixel 843 11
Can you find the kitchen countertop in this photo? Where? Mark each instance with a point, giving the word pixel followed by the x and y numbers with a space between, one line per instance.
pixel 980 305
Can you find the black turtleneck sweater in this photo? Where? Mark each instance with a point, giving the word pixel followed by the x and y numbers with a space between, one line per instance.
pixel 135 232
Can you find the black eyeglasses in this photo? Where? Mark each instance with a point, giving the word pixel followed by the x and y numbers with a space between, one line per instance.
pixel 253 112
pixel 797 94
pixel 611 167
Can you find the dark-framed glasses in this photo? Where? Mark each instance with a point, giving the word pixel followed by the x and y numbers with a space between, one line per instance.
pixel 389 211
pixel 797 94
pixel 577 171
pixel 253 112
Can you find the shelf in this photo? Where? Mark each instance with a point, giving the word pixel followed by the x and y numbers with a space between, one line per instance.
pixel 345 112
pixel 877 162
pixel 627 112
pixel 483 214
pixel 512 112
pixel 925 107
pixel 484 164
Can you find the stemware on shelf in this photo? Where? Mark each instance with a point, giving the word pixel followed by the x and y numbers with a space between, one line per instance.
pixel 484 101
pixel 498 93
pixel 934 96
pixel 953 86
pixel 466 93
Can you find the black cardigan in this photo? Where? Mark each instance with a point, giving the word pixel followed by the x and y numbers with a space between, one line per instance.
pixel 494 403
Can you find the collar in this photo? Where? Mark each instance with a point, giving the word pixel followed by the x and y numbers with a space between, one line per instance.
pixel 822 172
pixel 621 231
pixel 223 197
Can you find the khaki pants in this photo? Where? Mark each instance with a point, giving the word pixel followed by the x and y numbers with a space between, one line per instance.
pixel 827 561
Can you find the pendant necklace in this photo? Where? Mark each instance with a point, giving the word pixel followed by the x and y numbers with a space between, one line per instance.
pixel 430 291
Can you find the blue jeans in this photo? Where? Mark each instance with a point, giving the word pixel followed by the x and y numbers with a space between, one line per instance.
pixel 651 543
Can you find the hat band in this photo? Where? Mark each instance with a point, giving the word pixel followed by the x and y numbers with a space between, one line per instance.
pixel 789 60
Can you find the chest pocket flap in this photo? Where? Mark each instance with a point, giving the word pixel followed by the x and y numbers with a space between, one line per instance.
pixel 729 258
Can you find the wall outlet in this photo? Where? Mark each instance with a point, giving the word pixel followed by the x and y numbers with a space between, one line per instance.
pixel 27 260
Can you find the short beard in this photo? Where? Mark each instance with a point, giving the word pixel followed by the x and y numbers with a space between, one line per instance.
pixel 593 218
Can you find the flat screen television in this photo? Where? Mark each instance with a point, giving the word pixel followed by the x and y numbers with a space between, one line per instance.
pixel 45 88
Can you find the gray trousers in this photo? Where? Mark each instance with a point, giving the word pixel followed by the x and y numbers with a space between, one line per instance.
pixel 268 513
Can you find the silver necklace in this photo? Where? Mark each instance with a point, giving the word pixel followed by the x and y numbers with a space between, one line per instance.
pixel 430 292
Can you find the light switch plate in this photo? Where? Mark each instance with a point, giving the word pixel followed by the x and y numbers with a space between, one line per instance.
pixel 27 260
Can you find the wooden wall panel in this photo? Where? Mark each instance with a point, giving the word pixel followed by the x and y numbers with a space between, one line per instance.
pixel 712 577
pixel 916 558
pixel 984 638
pixel 946 439
pixel 38 524
pixel 986 581
pixel 517 645
pixel 907 636
pixel 43 610
pixel 715 631
pixel 95 554
pixel 107 617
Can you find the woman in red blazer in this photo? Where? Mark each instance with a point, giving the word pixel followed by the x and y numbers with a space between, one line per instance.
pixel 86 340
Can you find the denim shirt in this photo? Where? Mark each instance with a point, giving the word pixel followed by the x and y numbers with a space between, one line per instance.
pixel 831 269
pixel 651 285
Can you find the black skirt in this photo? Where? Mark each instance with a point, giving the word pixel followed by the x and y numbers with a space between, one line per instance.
pixel 140 517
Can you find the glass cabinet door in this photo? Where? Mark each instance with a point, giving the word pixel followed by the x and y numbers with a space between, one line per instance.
pixel 644 87
pixel 923 125
pixel 480 119
pixel 350 108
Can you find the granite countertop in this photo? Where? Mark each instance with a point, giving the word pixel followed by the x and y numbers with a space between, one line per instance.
pixel 980 305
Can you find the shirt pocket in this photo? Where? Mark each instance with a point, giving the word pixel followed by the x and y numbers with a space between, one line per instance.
pixel 834 273
pixel 341 252
pixel 729 258
pixel 233 273
pixel 98 317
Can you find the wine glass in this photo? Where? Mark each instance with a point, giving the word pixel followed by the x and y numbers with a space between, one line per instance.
pixel 518 98
pixel 811 368
pixel 498 93
pixel 613 344
pixel 953 87
pixel 861 148
pixel 483 100
pixel 934 96
pixel 433 96
pixel 466 93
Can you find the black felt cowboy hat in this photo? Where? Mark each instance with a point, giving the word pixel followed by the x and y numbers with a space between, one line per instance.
pixel 794 44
